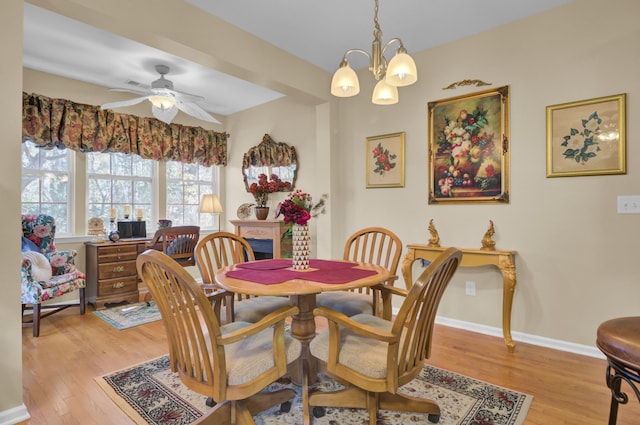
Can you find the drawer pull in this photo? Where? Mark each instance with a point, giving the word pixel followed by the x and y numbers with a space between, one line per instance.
pixel 118 269
pixel 118 285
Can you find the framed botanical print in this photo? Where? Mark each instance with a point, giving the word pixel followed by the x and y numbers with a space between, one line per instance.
pixel 385 160
pixel 587 137
pixel 469 148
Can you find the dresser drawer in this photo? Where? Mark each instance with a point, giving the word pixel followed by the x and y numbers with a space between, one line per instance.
pixel 108 287
pixel 117 270
pixel 113 253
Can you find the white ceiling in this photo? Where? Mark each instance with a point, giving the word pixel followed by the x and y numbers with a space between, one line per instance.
pixel 316 31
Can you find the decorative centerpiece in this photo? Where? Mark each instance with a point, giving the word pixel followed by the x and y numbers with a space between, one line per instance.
pixel 298 209
pixel 261 191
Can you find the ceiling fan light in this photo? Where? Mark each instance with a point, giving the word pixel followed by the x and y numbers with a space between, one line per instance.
pixel 384 94
pixel 345 81
pixel 162 102
pixel 402 70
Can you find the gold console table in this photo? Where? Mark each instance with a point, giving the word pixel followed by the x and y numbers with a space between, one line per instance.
pixel 503 260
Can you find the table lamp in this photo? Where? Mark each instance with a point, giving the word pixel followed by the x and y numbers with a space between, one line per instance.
pixel 211 204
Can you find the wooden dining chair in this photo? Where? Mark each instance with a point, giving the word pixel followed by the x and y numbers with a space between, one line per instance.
pixel 178 242
pixel 375 245
pixel 374 356
pixel 222 249
pixel 232 363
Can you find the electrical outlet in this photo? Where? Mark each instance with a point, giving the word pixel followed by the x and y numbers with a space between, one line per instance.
pixel 629 204
pixel 470 288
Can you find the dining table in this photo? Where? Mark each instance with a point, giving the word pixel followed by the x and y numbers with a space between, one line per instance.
pixel 276 277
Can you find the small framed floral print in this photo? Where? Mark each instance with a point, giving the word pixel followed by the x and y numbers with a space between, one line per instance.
pixel 469 148
pixel 385 160
pixel 587 137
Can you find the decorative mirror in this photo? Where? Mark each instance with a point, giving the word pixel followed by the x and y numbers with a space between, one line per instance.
pixel 269 158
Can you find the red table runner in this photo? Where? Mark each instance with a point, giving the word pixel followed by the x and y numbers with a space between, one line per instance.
pixel 269 272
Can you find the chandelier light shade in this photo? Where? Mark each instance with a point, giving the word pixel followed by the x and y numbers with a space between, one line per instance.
pixel 345 81
pixel 401 71
pixel 162 102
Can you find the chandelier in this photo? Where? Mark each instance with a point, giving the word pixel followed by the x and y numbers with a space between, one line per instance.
pixel 399 72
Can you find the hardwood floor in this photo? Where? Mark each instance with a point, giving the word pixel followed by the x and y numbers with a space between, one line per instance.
pixel 59 369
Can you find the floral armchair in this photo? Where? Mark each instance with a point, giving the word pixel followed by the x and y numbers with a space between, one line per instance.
pixel 40 284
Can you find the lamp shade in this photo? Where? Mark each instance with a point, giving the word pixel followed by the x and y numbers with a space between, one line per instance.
pixel 210 204
pixel 384 94
pixel 162 102
pixel 345 82
pixel 402 70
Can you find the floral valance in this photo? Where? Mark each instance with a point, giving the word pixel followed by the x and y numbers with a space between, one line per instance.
pixel 62 123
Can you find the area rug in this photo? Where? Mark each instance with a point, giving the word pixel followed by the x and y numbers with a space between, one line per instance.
pixel 150 394
pixel 129 315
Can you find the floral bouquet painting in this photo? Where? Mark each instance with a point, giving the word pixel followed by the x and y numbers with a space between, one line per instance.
pixel 385 160
pixel 468 157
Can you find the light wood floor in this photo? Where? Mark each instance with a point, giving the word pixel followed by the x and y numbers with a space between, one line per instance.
pixel 59 369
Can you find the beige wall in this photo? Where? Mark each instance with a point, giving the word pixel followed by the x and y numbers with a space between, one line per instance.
pixel 576 256
pixel 11 407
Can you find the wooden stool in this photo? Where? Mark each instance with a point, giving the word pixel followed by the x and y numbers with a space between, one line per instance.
pixel 619 340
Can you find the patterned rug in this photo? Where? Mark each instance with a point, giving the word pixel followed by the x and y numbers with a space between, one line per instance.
pixel 129 315
pixel 150 394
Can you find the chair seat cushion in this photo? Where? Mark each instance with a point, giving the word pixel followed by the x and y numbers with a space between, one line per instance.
pixel 40 266
pixel 619 339
pixel 252 310
pixel 252 356
pixel 346 302
pixel 364 355
pixel 34 292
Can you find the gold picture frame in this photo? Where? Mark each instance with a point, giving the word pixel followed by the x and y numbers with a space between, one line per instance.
pixel 385 160
pixel 468 151
pixel 587 137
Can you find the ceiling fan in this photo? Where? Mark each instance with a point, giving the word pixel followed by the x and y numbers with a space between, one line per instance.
pixel 164 99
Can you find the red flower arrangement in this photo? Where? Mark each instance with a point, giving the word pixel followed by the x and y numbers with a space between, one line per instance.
pixel 264 187
pixel 298 208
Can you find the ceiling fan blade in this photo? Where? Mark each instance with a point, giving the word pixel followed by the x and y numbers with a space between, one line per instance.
pixel 196 111
pixel 165 115
pixel 141 92
pixel 187 97
pixel 123 103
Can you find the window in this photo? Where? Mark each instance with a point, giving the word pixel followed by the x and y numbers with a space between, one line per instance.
pixel 118 181
pixel 46 183
pixel 186 183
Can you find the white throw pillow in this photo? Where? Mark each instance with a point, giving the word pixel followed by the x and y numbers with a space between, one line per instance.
pixel 40 267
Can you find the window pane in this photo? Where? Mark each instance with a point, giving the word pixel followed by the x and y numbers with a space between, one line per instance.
pixel 122 191
pixel 99 191
pixel 46 183
pixel 98 163
pixel 30 189
pixel 120 165
pixel 174 170
pixel 130 184
pixel 142 167
pixel 54 160
pixel 55 188
pixel 186 183
pixel 142 192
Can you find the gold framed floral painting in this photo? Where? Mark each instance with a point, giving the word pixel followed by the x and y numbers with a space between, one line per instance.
pixel 587 137
pixel 469 148
pixel 385 160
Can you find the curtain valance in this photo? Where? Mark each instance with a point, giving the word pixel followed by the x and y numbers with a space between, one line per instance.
pixel 62 123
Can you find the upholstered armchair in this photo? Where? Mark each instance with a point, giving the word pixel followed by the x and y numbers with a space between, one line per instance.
pixel 46 272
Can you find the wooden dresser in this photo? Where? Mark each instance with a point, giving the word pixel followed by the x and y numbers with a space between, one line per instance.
pixel 112 277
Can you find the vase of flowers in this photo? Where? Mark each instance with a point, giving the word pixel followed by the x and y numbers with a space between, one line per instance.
pixel 261 191
pixel 297 210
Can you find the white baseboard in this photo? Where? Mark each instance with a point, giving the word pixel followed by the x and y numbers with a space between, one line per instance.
pixel 14 415
pixel 556 344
